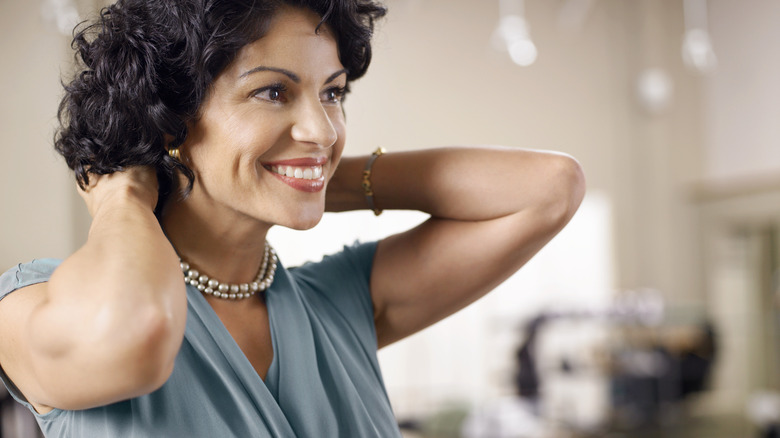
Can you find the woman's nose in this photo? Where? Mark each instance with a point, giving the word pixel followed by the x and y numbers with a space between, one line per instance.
pixel 313 125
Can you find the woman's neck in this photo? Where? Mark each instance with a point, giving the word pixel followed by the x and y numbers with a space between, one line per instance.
pixel 227 249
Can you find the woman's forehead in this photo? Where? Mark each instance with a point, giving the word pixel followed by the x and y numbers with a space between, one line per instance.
pixel 294 40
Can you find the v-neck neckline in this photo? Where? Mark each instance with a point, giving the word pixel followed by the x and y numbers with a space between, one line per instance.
pixel 230 347
pixel 262 394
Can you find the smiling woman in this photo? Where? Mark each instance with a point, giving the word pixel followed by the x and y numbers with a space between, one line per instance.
pixel 196 126
pixel 269 108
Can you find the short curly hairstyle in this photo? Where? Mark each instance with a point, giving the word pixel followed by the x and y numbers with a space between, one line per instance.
pixel 147 66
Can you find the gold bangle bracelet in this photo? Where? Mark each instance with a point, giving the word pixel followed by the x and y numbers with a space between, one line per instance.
pixel 367 189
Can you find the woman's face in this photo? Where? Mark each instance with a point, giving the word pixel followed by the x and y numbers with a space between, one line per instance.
pixel 271 132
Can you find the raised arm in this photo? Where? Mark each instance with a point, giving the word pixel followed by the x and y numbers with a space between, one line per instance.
pixel 491 210
pixel 108 324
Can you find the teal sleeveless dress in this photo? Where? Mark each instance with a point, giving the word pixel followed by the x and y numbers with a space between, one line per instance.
pixel 324 381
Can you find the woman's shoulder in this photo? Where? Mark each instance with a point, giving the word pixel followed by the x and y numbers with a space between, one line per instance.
pixel 341 279
pixel 26 274
pixel 356 258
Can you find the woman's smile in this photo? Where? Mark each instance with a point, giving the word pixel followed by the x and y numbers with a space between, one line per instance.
pixel 304 174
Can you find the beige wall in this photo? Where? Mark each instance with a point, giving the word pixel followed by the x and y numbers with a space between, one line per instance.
pixel 742 103
pixel 36 195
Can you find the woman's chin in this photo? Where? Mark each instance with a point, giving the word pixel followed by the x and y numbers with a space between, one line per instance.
pixel 303 222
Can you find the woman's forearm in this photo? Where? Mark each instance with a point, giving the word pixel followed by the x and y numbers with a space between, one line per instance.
pixel 126 262
pixel 116 308
pixel 478 183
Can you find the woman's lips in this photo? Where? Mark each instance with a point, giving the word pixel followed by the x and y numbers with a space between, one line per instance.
pixel 304 174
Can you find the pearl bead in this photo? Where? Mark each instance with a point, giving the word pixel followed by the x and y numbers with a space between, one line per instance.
pixel 264 278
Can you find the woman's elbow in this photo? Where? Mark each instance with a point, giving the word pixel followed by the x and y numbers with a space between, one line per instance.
pixel 143 354
pixel 157 350
pixel 567 189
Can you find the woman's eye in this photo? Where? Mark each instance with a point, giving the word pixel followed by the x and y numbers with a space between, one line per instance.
pixel 334 94
pixel 274 93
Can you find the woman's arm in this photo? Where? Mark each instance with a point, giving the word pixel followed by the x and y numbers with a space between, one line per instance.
pixel 108 324
pixel 491 210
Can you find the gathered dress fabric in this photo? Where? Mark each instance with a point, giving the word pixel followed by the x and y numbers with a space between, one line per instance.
pixel 324 380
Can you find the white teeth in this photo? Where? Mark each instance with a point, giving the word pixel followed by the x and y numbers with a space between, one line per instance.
pixel 298 172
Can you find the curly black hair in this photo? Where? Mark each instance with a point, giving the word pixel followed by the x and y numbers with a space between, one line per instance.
pixel 147 66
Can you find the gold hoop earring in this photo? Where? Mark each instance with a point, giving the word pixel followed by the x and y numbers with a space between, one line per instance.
pixel 174 153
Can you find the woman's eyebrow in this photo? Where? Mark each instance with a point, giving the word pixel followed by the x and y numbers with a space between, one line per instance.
pixel 335 75
pixel 295 78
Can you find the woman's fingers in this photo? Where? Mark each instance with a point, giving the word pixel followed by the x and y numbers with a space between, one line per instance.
pixel 137 181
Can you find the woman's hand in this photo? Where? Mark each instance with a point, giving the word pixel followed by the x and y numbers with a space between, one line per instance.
pixel 139 182
pixel 491 210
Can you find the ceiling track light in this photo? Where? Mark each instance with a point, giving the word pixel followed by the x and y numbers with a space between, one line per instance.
pixel 697 52
pixel 573 13
pixel 512 34
pixel 62 13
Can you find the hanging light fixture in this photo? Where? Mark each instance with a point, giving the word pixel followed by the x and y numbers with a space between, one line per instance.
pixel 512 33
pixel 572 14
pixel 62 13
pixel 697 52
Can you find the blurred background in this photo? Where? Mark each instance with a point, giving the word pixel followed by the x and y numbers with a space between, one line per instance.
pixel 655 313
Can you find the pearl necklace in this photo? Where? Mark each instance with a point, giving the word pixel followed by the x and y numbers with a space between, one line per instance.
pixel 210 286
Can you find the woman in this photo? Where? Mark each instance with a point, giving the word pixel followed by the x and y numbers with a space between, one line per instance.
pixel 196 126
